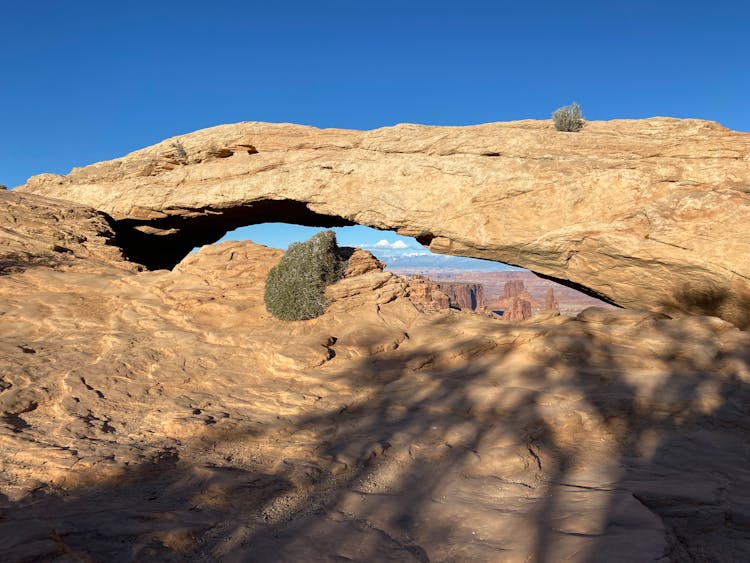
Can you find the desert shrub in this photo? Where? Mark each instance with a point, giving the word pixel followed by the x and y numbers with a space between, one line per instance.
pixel 295 286
pixel 179 154
pixel 568 118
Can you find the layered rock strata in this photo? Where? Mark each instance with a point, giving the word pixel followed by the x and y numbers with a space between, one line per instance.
pixel 435 296
pixel 427 295
pixel 570 301
pixel 513 288
pixel 518 309
pixel 516 304
pixel 38 231
pixel 464 296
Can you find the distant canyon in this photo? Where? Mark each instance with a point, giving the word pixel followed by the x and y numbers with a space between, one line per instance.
pixel 511 295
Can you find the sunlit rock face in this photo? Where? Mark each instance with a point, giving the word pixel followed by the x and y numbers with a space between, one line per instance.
pixel 427 295
pixel 648 214
pixel 38 231
pixel 516 303
pixel 435 296
pixel 518 310
pixel 465 296
pixel 513 288
pixel 167 416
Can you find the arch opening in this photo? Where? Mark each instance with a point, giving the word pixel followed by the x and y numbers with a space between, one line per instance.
pixel 438 280
pixel 399 253
pixel 161 240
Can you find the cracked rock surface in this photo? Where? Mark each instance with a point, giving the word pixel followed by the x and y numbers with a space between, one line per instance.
pixel 165 415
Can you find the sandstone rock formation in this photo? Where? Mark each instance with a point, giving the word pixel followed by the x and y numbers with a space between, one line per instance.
pixel 465 296
pixel 570 301
pixel 166 416
pixel 426 295
pixel 516 304
pixel 437 296
pixel 518 309
pixel 38 231
pixel 513 288
pixel 550 302
pixel 648 214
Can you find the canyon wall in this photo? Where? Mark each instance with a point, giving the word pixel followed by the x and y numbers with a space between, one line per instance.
pixel 435 296
pixel 466 296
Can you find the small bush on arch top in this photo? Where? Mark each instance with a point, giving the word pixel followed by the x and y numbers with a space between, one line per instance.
pixel 568 118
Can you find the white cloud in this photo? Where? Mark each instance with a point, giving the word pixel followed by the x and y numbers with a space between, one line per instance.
pixel 396 245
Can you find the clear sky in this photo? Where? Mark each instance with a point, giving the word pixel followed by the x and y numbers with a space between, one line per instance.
pixel 83 81
pixel 398 252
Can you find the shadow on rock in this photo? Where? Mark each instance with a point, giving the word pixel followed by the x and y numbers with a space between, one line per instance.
pixel 617 436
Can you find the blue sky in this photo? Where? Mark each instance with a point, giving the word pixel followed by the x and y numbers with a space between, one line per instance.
pixel 398 252
pixel 84 81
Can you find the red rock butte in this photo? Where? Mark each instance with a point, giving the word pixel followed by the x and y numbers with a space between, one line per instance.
pixel 647 214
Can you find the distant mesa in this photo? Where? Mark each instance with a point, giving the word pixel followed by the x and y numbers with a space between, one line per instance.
pixel 514 303
pixel 517 304
pixel 468 296
pixel 436 296
pixel 513 289
pixel 426 295
pixel 518 310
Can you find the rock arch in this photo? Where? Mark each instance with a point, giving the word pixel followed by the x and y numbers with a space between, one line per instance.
pixel 649 214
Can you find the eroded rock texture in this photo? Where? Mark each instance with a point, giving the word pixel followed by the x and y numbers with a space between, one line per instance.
pixel 427 295
pixel 550 301
pixel 38 231
pixel 436 296
pixel 166 416
pixel 517 309
pixel 513 288
pixel 516 304
pixel 465 296
pixel 648 214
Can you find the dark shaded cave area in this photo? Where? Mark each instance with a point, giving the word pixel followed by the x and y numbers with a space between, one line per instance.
pixel 580 288
pixel 161 243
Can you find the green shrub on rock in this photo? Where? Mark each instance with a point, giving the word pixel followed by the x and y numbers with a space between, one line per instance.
pixel 295 287
pixel 568 118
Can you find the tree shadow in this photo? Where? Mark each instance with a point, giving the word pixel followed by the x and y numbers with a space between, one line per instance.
pixel 730 303
pixel 616 436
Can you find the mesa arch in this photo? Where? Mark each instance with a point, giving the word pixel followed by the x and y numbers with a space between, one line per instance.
pixel 650 214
